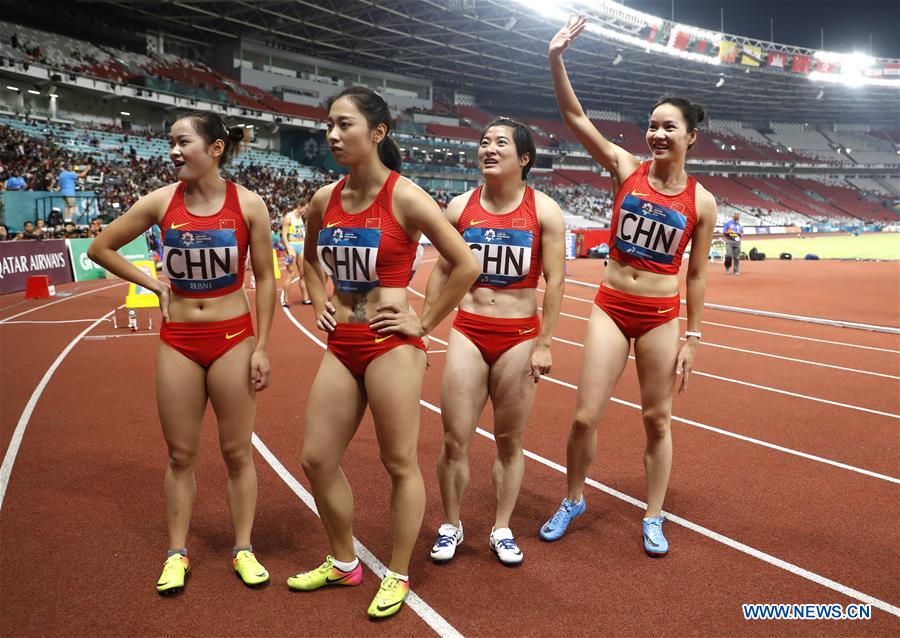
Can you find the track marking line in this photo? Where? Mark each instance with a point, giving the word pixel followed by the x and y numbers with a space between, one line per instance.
pixel 51 322
pixel 727 380
pixel 105 337
pixel 741 437
pixel 778 315
pixel 415 602
pixel 80 294
pixel 766 388
pixel 768 355
pixel 10 457
pixel 694 527
pixel 765 332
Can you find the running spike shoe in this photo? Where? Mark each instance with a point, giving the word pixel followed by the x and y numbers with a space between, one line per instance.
pixel 325 575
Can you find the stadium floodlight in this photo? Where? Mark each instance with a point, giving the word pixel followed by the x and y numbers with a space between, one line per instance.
pixel 125 113
pixel 53 95
pixel 33 92
pixel 12 88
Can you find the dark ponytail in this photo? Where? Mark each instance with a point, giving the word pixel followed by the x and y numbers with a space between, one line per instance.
pixel 211 127
pixel 376 111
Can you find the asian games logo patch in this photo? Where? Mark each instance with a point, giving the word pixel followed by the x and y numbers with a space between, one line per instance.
pixel 490 234
pixel 187 238
pixel 337 236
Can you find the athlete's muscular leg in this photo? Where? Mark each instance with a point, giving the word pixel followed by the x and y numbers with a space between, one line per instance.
pixel 234 401
pixel 181 398
pixel 334 409
pixel 394 386
pixel 512 390
pixel 605 355
pixel 464 392
pixel 655 353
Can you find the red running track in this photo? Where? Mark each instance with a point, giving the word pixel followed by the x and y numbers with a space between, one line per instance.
pixel 785 477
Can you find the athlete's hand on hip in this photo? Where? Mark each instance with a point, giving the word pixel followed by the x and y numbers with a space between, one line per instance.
pixel 390 319
pixel 561 41
pixel 325 320
pixel 259 370
pixel 541 361
pixel 164 293
pixel 684 365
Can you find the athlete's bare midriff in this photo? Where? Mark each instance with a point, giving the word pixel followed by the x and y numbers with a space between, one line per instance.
pixel 199 309
pixel 359 307
pixel 641 283
pixel 496 302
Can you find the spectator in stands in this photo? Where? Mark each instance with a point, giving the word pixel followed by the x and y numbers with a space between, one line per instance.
pixel 70 231
pixel 732 232
pixel 95 227
pixel 4 232
pixel 15 183
pixel 28 231
pixel 68 181
pixel 40 228
pixel 661 209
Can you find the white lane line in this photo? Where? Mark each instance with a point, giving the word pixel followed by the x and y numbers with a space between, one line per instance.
pixel 745 383
pixel 80 294
pixel 803 361
pixel 766 388
pixel 51 322
pixel 16 440
pixel 777 315
pixel 699 529
pixel 132 334
pixel 766 332
pixel 432 618
pixel 772 356
pixel 741 437
pixel 423 609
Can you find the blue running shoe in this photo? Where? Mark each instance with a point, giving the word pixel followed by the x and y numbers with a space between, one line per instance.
pixel 554 529
pixel 655 544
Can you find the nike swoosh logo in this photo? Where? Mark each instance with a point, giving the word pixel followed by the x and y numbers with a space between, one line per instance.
pixel 228 336
pixel 332 224
pixel 525 332
pixel 331 581
pixel 380 339
pixel 179 225
pixel 472 222
pixel 662 311
pixel 380 608
pixel 637 194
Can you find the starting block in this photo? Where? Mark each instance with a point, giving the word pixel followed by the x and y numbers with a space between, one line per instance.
pixel 39 287
pixel 138 296
pixel 133 319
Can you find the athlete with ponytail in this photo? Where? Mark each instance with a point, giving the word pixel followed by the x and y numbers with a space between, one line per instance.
pixel 657 210
pixel 207 350
pixel 363 232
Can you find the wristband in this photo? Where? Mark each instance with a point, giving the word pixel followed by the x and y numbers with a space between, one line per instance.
pixel 688 333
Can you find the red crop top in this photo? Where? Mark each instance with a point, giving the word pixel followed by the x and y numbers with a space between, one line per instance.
pixel 651 229
pixel 204 255
pixel 366 249
pixel 507 246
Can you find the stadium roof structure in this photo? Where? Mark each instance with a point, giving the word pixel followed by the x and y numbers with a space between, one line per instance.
pixel 496 49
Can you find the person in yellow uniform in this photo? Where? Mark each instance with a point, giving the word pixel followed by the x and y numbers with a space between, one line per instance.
pixel 293 234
